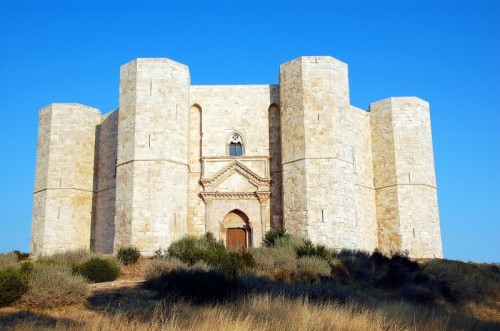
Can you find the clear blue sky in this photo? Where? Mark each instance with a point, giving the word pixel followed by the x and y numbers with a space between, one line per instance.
pixel 446 52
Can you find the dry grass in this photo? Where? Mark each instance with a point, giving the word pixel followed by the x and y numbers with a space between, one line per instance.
pixel 8 260
pixel 257 312
pixel 311 267
pixel 52 285
pixel 159 267
pixel 115 307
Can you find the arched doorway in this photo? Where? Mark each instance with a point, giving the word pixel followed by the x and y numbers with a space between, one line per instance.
pixel 237 230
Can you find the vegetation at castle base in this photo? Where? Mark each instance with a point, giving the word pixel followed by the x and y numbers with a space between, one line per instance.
pixel 128 255
pixel 98 270
pixel 201 270
pixel 53 285
pixel 50 281
pixel 283 288
pixel 13 284
pixel 206 249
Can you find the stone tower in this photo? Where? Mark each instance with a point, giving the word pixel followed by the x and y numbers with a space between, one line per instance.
pixel 321 145
pixel 152 154
pixel 64 179
pixel 405 183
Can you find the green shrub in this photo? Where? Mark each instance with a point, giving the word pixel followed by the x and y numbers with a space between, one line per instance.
pixel 27 267
pixel 272 235
pixel 312 268
pixel 309 249
pixel 21 256
pixel 208 253
pixel 356 265
pixel 191 249
pixel 380 261
pixel 8 260
pixel 289 241
pixel 160 254
pixel 280 263
pixel 98 270
pixel 128 255
pixel 13 285
pixel 235 263
pixel 52 285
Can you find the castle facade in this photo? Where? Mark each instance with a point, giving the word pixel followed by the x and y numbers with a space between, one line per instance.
pixel 178 159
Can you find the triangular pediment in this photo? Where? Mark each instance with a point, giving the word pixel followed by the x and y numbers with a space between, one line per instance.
pixel 236 174
pixel 235 182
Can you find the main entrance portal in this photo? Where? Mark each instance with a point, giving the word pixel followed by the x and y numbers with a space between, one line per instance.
pixel 237 230
pixel 236 239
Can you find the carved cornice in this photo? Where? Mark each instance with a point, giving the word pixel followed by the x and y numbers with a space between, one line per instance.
pixel 232 168
pixel 263 196
pixel 243 157
pixel 209 196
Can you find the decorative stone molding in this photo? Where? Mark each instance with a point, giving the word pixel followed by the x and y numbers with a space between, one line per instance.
pixel 234 167
pixel 263 196
pixel 209 196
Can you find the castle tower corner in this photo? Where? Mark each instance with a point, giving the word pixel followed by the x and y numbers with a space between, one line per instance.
pixel 404 177
pixel 64 179
pixel 152 168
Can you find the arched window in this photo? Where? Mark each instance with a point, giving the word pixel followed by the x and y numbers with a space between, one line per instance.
pixel 235 145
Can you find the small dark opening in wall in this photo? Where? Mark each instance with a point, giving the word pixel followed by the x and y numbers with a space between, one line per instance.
pixel 235 149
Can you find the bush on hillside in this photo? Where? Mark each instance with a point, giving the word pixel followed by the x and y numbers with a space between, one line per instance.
pixel 280 263
pixel 128 255
pixel 350 265
pixel 13 284
pixel 288 241
pixel 98 270
pixel 191 249
pixel 8 260
pixel 52 285
pixel 273 235
pixel 309 249
pixel 21 256
pixel 311 269
pixel 235 263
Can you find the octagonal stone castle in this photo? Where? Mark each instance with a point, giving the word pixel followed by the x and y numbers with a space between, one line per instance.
pixel 178 159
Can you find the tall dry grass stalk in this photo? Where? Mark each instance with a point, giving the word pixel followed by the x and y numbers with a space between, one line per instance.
pixel 70 257
pixel 263 312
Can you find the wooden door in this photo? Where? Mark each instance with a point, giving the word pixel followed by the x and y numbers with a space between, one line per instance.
pixel 236 239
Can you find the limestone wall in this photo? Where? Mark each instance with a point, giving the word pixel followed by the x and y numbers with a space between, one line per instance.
pixel 196 207
pixel 64 182
pixel 153 154
pixel 276 199
pixel 405 182
pixel 250 111
pixel 365 212
pixel 317 151
pixel 158 168
pixel 240 108
pixel 293 148
pixel 103 230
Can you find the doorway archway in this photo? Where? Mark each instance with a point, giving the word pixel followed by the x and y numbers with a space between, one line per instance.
pixel 237 230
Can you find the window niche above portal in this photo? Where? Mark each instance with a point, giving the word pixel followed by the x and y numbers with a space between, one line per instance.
pixel 235 145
